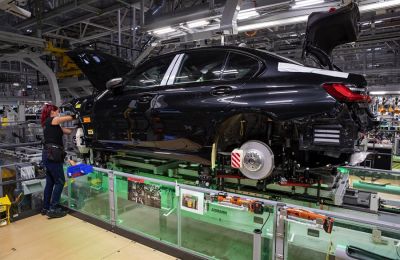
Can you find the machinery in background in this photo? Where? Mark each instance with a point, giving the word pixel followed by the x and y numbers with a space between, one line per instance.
pixel 67 68
pixel 5 205
pixel 23 184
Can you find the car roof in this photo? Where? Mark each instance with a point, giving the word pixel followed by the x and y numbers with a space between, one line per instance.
pixel 257 52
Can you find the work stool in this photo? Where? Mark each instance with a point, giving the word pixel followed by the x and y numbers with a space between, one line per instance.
pixel 5 205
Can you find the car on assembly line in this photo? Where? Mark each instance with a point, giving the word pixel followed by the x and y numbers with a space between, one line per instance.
pixel 192 105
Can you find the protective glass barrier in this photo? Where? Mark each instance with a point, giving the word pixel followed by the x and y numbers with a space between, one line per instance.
pixel 146 207
pixel 88 194
pixel 384 182
pixel 347 239
pixel 223 226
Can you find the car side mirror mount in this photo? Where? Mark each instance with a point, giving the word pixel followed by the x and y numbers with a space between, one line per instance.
pixel 114 83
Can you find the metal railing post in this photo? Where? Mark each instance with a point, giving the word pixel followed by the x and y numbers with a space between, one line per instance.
pixel 111 197
pixel 179 230
pixel 279 232
pixel 257 244
pixel 69 190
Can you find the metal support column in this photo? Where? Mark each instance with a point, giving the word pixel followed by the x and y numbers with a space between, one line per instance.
pixel 69 190
pixel 111 197
pixel 228 20
pixel 279 240
pixel 257 244
pixel 142 12
pixel 119 32
pixel 133 31
pixel 178 195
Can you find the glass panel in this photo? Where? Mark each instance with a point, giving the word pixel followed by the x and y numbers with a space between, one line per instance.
pixel 385 183
pixel 64 195
pixel 146 207
pixel 221 229
pixel 240 67
pixel 201 66
pixel 305 241
pixel 150 74
pixel 89 195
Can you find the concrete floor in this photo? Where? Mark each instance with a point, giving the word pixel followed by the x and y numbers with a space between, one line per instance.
pixel 68 238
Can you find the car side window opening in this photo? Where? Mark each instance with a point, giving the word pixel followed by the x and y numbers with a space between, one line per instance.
pixel 150 74
pixel 240 66
pixel 201 66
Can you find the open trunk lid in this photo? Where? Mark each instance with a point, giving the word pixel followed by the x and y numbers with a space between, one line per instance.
pixel 327 30
pixel 99 67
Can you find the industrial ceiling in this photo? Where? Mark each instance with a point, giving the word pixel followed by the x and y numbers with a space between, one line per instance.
pixel 133 29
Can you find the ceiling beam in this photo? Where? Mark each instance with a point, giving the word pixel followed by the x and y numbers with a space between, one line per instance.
pixel 53 13
pixel 86 17
pixel 90 8
pixel 99 35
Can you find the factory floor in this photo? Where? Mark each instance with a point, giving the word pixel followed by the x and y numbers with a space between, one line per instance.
pixel 68 238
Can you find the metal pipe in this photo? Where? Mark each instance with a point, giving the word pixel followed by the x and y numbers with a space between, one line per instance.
pixel 112 198
pixel 384 188
pixel 133 30
pixel 119 27
pixel 142 12
pixel 257 244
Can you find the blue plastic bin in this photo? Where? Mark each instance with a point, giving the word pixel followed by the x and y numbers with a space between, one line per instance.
pixel 79 170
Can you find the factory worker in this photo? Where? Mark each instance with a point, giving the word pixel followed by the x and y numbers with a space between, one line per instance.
pixel 53 158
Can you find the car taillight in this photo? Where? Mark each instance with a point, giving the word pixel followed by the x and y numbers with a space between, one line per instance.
pixel 342 93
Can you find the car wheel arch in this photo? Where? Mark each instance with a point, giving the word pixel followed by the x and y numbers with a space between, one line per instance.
pixel 234 130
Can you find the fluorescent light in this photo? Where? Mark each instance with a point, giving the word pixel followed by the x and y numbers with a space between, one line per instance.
pixel 377 92
pixel 249 13
pixel 379 5
pixel 306 3
pixel 379 21
pixel 164 30
pixel 384 92
pixel 292 20
pixel 197 23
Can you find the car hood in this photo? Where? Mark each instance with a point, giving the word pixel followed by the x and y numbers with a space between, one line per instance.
pixel 326 30
pixel 99 67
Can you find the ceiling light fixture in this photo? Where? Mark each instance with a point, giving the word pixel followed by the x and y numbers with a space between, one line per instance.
pixel 248 13
pixel 304 3
pixel 164 30
pixel 379 5
pixel 280 22
pixel 388 92
pixel 199 23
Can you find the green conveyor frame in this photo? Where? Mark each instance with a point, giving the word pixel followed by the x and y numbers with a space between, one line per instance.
pixel 384 188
